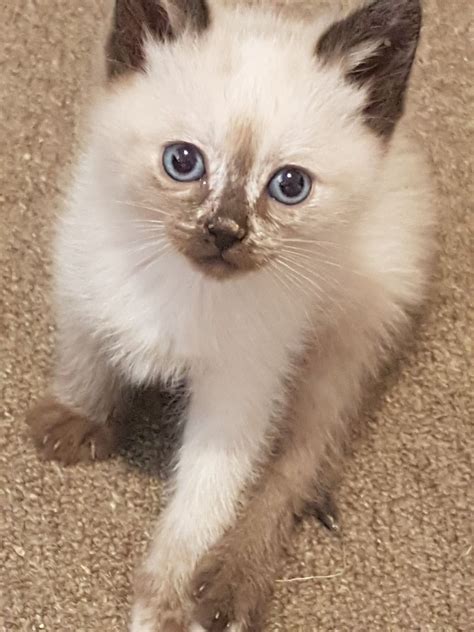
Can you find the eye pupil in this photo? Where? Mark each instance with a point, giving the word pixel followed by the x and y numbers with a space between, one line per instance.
pixel 292 183
pixel 184 159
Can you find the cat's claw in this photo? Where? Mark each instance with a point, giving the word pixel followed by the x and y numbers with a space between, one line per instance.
pixel 325 510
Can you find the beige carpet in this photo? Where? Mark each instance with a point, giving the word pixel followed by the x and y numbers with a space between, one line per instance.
pixel 71 537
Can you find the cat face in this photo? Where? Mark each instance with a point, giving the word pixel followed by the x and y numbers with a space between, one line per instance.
pixel 240 135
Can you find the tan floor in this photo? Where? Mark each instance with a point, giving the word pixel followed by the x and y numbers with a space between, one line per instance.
pixel 70 538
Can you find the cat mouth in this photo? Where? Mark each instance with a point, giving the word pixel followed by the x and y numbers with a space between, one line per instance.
pixel 226 264
pixel 217 265
pixel 214 262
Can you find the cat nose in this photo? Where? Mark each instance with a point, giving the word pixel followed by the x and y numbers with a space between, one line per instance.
pixel 226 232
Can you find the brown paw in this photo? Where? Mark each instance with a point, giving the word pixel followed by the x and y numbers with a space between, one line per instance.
pixel 228 594
pixel 63 435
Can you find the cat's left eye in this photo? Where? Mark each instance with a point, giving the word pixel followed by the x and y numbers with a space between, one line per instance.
pixel 290 185
pixel 183 162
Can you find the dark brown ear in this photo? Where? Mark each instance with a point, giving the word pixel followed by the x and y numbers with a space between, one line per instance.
pixel 376 46
pixel 163 20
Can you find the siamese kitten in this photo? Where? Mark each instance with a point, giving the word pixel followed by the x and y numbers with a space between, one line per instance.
pixel 246 216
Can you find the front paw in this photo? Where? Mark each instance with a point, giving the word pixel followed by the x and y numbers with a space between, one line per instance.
pixel 61 434
pixel 158 606
pixel 229 591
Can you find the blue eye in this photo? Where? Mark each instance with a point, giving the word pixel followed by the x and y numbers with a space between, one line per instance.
pixel 183 162
pixel 290 185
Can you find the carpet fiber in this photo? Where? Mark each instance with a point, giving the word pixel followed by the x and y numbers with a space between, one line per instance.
pixel 70 538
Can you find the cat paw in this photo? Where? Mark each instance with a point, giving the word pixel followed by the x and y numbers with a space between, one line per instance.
pixel 227 594
pixel 149 620
pixel 63 435
pixel 157 606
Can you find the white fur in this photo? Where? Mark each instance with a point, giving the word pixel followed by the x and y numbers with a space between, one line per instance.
pixel 233 339
pixel 141 620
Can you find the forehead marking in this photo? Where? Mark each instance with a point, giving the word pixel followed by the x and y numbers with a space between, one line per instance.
pixel 241 142
pixel 242 145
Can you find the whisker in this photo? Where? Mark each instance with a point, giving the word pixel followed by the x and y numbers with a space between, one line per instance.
pixel 316 242
pixel 297 281
pixel 313 256
pixel 332 283
pixel 145 222
pixel 280 279
pixel 290 281
pixel 299 254
pixel 148 235
pixel 138 245
pixel 299 274
pixel 325 279
pixel 151 230
pixel 321 293
pixel 143 206
pixel 143 264
pixel 287 282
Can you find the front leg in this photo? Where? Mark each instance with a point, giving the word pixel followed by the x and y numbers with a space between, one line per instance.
pixel 83 418
pixel 225 435
pixel 233 581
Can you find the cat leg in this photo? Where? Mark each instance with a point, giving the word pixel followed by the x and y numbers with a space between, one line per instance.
pixel 82 419
pixel 225 435
pixel 235 578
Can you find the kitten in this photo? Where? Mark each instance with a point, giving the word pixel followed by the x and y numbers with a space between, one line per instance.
pixel 246 216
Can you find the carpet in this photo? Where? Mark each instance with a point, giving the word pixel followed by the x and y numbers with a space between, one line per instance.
pixel 70 538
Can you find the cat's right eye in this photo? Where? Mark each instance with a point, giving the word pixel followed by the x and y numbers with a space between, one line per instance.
pixel 183 162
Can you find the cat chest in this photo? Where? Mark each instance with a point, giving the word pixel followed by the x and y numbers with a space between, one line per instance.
pixel 169 332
